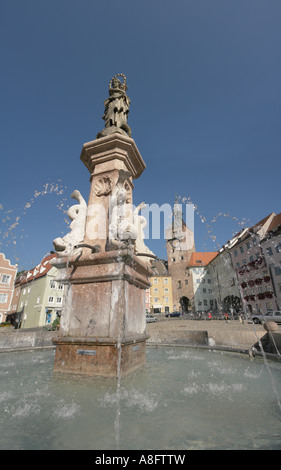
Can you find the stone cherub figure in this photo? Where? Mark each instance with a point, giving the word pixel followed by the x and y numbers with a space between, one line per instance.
pixel 116 109
pixel 66 246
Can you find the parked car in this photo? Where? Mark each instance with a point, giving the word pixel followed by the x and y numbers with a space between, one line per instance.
pixel 173 314
pixel 268 316
pixel 150 318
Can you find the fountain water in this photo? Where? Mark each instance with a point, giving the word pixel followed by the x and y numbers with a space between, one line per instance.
pixel 181 399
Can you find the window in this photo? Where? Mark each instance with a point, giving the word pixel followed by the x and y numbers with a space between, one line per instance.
pixel 51 300
pixel 277 271
pixel 5 279
pixel 205 302
pixel 60 286
pixel 166 290
pixel 165 281
pixel 166 300
pixel 186 281
pixel 179 284
pixel 235 253
pixel 269 251
pixel 278 248
pixel 156 299
pixel 59 300
pixel 52 284
pixel 173 259
pixel 3 298
pixel 248 245
pixel 181 258
pixel 241 248
pixel 155 290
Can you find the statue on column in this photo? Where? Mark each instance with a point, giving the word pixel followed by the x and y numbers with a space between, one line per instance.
pixel 116 109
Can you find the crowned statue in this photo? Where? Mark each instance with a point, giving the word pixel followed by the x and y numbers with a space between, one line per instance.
pixel 116 109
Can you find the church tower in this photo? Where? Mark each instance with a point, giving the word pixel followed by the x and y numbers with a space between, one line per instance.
pixel 180 246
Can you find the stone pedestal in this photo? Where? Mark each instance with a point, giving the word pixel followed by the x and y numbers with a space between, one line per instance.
pixel 107 159
pixel 103 324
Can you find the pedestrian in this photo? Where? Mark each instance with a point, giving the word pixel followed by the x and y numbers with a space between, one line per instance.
pixel 226 317
pixel 209 316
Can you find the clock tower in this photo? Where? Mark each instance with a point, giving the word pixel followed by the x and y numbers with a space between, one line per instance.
pixel 180 246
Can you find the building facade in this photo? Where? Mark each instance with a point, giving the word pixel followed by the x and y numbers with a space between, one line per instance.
pixel 7 277
pixel 203 283
pixel 252 270
pixel 226 292
pixel 271 249
pixel 41 296
pixel 161 291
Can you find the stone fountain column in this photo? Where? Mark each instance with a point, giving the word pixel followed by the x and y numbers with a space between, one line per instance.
pixel 103 324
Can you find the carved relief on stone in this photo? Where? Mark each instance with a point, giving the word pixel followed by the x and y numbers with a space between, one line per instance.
pixel 103 186
pixel 66 246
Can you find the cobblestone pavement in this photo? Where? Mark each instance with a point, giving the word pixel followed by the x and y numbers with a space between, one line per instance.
pixel 165 324
pixel 232 333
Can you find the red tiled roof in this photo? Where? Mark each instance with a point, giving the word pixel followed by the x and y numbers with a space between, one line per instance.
pixel 40 270
pixel 202 258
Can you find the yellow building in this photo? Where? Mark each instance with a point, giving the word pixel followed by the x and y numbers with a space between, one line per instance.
pixel 161 292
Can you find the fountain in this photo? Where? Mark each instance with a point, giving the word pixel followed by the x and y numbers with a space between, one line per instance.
pixel 181 399
pixel 103 260
pixel 175 398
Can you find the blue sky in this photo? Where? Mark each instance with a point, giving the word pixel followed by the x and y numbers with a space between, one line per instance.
pixel 204 82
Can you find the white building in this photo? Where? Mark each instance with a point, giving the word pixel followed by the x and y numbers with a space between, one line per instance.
pixel 226 291
pixel 41 296
pixel 203 288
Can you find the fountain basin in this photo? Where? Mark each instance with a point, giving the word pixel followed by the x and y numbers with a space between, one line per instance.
pixel 180 399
